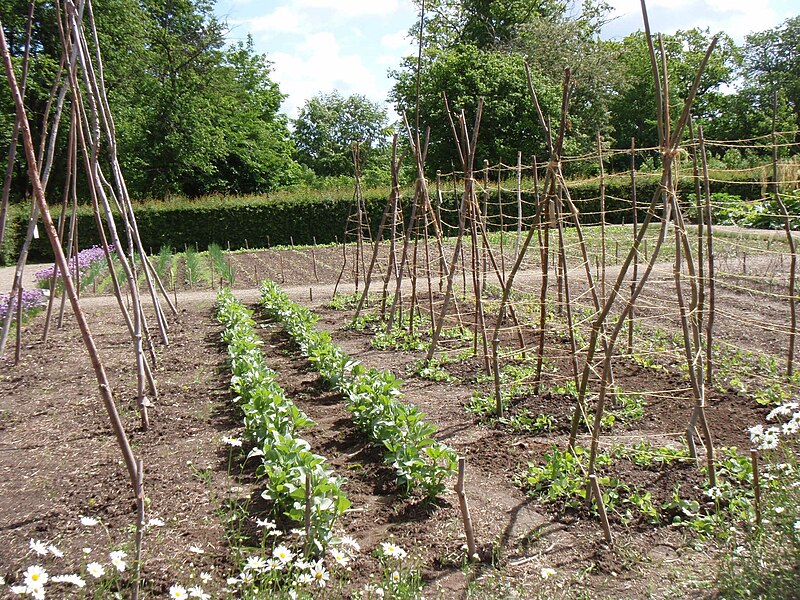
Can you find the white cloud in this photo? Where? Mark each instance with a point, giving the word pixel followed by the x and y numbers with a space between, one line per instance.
pixel 319 65
pixel 737 18
pixel 282 20
pixel 398 41
pixel 352 8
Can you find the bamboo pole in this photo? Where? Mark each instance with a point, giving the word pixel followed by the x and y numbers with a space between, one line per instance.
pixel 709 325
pixel 461 225
pixel 669 140
pixel 86 335
pixel 636 256
pixel 602 219
pixel 464 507
pixel 12 147
pixel 792 292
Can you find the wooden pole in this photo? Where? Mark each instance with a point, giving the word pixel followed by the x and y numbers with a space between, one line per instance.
pixel 464 506
pixel 86 335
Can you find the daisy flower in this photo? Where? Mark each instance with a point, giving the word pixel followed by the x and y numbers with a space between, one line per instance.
pixel 96 570
pixel 89 521
pixel 35 576
pixel 283 554
pixel 340 557
pixel 205 577
pixel 320 574
pixel 265 523
pixel 273 564
pixel 55 551
pixel 392 550
pixel 349 542
pixel 547 572
pixel 116 560
pixel 197 592
pixel 38 547
pixel 178 592
pixel 246 577
pixel 255 563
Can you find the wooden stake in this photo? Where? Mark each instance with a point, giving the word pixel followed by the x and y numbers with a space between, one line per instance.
pixel 756 485
pixel 601 509
pixel 496 363
pixel 18 352
pixel 137 578
pixel 464 506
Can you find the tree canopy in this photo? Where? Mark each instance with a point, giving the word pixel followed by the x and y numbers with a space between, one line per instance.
pixel 329 124
pixel 193 116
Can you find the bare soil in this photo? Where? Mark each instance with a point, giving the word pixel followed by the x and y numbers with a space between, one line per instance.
pixel 59 459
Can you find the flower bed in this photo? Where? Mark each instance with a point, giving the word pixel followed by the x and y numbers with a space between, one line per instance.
pixel 32 301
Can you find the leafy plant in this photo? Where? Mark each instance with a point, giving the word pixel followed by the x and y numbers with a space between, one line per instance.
pixel 194 272
pixel 271 423
pixel 164 263
pixel 372 397
pixel 222 266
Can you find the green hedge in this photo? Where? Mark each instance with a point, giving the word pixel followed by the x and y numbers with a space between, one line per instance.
pixel 260 222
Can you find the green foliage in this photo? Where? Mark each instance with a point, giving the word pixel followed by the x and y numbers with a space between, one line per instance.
pixel 327 127
pixel 432 370
pixel 772 60
pixel 271 423
pixel 466 73
pixel 165 263
pixel 372 397
pixel 761 562
pixel 192 116
pixel 221 266
pixel 194 270
pixel 633 106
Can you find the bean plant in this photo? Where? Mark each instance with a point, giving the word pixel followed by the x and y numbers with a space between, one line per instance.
pixel 272 422
pixel 373 399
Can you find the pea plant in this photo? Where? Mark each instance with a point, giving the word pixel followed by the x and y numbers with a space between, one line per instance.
pixel 373 399
pixel 272 422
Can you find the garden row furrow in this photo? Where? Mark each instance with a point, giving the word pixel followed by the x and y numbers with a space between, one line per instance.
pixel 373 399
pixel 271 423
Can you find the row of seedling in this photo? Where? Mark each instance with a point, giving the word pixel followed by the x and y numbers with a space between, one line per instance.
pixel 373 399
pixel 299 483
pixel 198 267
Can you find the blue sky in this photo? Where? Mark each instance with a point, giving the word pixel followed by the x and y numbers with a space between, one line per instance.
pixel 350 45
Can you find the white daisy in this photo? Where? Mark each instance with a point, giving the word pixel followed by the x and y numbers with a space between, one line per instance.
pixel 38 547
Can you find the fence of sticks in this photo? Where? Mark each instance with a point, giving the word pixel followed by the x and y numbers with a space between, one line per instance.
pixel 567 301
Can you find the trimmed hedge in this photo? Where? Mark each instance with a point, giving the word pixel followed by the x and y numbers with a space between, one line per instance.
pixel 260 222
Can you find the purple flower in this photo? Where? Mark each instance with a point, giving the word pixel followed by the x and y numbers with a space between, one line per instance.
pixel 31 300
pixel 84 259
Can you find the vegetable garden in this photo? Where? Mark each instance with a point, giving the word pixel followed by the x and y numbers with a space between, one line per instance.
pixel 589 409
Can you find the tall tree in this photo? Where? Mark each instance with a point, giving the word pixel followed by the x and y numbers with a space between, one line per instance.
pixel 474 48
pixel 772 63
pixel 633 103
pixel 466 73
pixel 328 125
pixel 192 115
